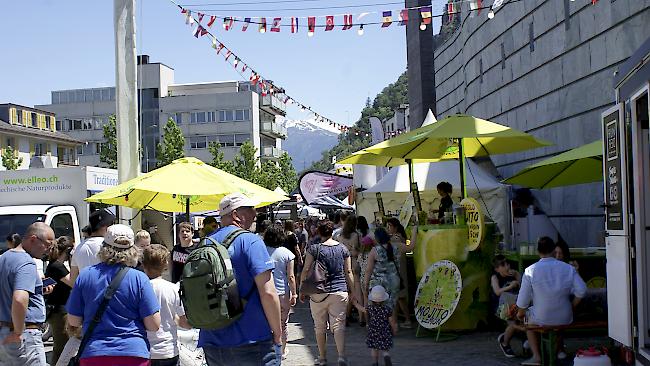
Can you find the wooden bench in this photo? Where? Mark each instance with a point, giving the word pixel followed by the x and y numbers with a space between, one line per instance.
pixel 548 337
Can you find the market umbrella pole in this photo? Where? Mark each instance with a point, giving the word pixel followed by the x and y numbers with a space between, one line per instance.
pixel 414 187
pixel 187 209
pixel 461 159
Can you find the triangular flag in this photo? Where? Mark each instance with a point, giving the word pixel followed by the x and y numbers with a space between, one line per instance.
pixel 183 10
pixel 203 31
pixel 403 17
pixel 276 25
pixel 262 26
pixel 227 23
pixel 214 43
pixel 496 4
pixel 311 24
pixel 593 2
pixel 294 25
pixel 244 27
pixel 188 18
pixel 387 19
pixel 235 62
pixel 228 54
pixel 197 31
pixel 329 22
pixel 347 21
pixel 212 19
pixel 425 13
pixel 221 47
pixel 201 15
pixel 243 69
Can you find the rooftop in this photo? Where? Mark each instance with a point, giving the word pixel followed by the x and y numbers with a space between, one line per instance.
pixel 35 132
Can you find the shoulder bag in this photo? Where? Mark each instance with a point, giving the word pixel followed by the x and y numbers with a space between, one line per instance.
pixel 316 277
pixel 110 291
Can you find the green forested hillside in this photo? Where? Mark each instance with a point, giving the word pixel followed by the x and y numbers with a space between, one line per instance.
pixel 383 107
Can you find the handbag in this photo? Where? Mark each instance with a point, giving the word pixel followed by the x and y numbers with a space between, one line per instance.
pixel 316 277
pixel 110 291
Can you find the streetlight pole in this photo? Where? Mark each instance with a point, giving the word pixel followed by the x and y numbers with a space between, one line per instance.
pixel 126 88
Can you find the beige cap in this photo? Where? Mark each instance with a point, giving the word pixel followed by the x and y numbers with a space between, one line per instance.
pixel 119 232
pixel 234 201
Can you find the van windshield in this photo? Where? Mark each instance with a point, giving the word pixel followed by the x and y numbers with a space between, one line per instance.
pixel 16 224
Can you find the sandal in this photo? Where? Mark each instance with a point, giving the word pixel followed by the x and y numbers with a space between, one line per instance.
pixel 342 361
pixel 320 362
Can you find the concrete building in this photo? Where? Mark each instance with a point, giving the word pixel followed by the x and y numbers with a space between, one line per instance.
pixel 33 136
pixel 228 112
pixel 545 67
pixel 399 122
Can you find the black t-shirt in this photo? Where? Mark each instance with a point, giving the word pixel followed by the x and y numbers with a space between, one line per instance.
pixel 291 243
pixel 179 257
pixel 59 296
pixel 445 206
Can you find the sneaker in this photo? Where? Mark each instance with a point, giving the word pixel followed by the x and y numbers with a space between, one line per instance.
pixel 531 362
pixel 407 325
pixel 342 361
pixel 320 362
pixel 388 361
pixel 561 355
pixel 526 346
pixel 506 349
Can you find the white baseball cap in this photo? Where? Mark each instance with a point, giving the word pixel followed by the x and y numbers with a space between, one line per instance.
pixel 234 201
pixel 378 294
pixel 119 232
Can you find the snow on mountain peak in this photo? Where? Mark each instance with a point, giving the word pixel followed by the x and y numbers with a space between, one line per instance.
pixel 310 124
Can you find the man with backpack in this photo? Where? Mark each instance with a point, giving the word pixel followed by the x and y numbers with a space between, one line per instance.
pixel 254 338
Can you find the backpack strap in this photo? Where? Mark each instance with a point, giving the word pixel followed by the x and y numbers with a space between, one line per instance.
pixel 232 236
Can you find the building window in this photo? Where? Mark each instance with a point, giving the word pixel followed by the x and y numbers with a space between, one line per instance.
pixel 48 122
pixel 226 140
pixel 39 149
pixel 177 118
pixel 98 148
pixel 76 124
pixel 198 117
pixel 11 142
pixel 236 115
pixel 241 138
pixel 226 116
pixel 198 142
pixel 80 150
pixel 211 116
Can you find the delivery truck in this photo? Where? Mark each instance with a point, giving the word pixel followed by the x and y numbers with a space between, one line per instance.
pixel 54 196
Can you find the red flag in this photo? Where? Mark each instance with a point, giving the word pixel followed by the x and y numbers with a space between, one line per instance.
pixel 347 21
pixel 311 24
pixel 200 31
pixel 246 23
pixel 221 47
pixel 403 17
pixel 212 19
pixel 294 25
pixel 262 26
pixel 425 13
pixel 450 11
pixel 183 11
pixel 243 69
pixel 593 2
pixel 228 54
pixel 276 25
pixel 201 15
pixel 329 22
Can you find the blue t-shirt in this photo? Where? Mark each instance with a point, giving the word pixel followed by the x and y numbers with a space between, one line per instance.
pixel 121 331
pixel 18 272
pixel 249 258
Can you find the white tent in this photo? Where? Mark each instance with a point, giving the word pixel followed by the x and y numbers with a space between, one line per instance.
pixel 394 188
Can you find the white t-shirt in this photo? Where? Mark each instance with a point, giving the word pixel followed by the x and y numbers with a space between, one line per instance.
pixel 85 255
pixel 164 342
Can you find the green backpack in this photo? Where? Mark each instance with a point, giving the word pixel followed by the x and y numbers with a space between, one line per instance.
pixel 208 287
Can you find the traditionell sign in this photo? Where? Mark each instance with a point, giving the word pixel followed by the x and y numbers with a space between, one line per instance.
pixel 475 222
pixel 438 294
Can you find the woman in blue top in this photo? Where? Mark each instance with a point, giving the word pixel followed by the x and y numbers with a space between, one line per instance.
pixel 120 338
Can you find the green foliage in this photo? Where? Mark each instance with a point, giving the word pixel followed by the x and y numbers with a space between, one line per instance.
pixel 9 159
pixel 382 107
pixel 172 145
pixel 108 152
pixel 246 165
pixel 218 160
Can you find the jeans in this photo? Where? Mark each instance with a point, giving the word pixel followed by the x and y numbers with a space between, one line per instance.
pixel 57 324
pixel 30 352
pixel 257 354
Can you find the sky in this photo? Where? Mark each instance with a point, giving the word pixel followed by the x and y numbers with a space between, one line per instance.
pixel 67 44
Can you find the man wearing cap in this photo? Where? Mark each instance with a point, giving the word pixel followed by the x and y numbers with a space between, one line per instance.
pixel 256 336
pixel 85 254
pixel 22 307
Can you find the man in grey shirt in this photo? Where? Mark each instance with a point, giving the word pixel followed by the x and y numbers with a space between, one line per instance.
pixel 22 307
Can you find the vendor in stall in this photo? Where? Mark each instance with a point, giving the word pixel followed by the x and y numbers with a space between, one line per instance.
pixel 444 190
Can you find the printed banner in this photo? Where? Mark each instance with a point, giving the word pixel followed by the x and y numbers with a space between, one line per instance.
pixel 438 294
pixel 314 185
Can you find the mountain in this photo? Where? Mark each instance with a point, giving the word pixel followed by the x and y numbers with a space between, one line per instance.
pixel 306 141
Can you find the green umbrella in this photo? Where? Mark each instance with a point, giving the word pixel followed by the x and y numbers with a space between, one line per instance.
pixel 583 164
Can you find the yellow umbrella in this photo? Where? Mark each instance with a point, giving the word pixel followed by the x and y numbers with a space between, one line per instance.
pixel 474 136
pixel 364 157
pixel 187 184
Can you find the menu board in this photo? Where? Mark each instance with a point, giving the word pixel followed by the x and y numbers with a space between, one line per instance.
pixel 612 170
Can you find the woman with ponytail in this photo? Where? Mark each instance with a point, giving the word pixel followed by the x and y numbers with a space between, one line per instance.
pixel 382 268
pixel 56 300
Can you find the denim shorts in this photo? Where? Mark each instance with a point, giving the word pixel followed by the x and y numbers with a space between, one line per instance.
pixel 30 352
pixel 257 354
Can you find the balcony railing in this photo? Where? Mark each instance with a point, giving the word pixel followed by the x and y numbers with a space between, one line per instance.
pixel 274 128
pixel 274 103
pixel 271 152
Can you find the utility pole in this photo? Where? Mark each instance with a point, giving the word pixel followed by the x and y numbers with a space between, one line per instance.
pixel 126 92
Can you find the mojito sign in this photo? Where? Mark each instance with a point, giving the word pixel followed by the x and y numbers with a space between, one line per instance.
pixel 438 294
pixel 475 222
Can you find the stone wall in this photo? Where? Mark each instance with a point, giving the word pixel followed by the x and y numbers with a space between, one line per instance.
pixel 545 67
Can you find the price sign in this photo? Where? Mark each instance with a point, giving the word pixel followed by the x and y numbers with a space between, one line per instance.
pixel 438 294
pixel 475 222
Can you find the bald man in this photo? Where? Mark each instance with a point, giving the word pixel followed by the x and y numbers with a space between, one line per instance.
pixel 22 307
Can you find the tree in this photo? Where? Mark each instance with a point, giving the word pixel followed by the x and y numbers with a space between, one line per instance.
pixel 246 164
pixel 172 146
pixel 108 151
pixel 9 159
pixel 218 160
pixel 288 178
